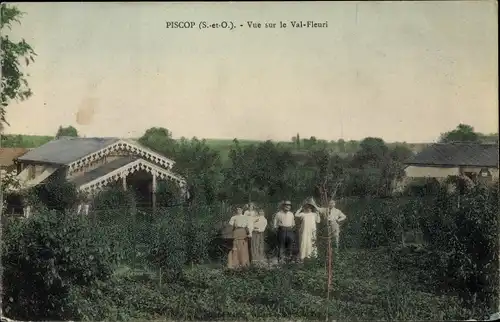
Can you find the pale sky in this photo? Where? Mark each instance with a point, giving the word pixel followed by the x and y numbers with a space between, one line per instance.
pixel 402 71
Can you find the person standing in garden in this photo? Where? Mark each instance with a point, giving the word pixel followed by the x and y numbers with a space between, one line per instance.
pixel 309 215
pixel 258 252
pixel 242 230
pixel 334 216
pixel 284 224
pixel 250 210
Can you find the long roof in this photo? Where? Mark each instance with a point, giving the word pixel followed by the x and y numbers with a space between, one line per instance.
pixel 66 149
pixel 457 154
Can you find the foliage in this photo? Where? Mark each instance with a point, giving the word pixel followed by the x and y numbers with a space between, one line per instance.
pixel 66 131
pixel 369 281
pixel 239 179
pixel 159 139
pixel 391 289
pixel 114 205
pixel 362 182
pixel 168 251
pixel 24 141
pixel 168 194
pixel 462 133
pixel 489 138
pixel 8 184
pixel 462 228
pixel 201 167
pixel 14 83
pixel 373 152
pixel 44 256
pixel 422 187
pixel 195 161
pixel 57 194
pixel 9 181
pixel 257 172
pixel 360 291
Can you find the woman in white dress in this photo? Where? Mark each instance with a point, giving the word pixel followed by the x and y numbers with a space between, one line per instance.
pixel 309 220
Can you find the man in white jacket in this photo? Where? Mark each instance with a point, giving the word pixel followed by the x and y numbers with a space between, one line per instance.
pixel 335 217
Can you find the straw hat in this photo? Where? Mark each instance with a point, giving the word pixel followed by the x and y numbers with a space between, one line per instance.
pixel 310 202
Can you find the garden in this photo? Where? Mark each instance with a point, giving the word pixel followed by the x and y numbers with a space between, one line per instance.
pixel 121 263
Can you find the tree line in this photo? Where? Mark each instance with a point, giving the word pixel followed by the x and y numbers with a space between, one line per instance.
pixel 270 171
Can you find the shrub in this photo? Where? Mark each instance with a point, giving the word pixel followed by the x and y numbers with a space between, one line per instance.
pixel 46 255
pixel 58 194
pixel 461 229
pixel 114 205
pixel 167 250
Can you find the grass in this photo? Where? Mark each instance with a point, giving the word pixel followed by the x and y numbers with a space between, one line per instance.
pixel 365 287
pixel 24 141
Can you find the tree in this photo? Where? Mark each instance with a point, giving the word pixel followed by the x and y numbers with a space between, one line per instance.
pixel 352 146
pixel 14 83
pixel 462 133
pixel 239 176
pixel 401 153
pixel 66 131
pixel 341 145
pixel 373 153
pixel 8 183
pixel 201 166
pixel 489 138
pixel 327 170
pixel 160 140
pixel 394 168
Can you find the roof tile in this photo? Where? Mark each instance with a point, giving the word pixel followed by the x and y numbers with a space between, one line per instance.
pixel 457 154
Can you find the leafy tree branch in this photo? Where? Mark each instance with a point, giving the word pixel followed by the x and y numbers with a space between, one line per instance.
pixel 14 83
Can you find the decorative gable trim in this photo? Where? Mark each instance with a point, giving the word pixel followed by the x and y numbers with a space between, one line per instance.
pixel 130 168
pixel 121 146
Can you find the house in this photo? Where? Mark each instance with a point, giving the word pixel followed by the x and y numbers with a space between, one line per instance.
pixel 7 156
pixel 478 161
pixel 93 164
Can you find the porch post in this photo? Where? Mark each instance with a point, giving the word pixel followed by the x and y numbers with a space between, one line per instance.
pixel 154 192
pixel 124 182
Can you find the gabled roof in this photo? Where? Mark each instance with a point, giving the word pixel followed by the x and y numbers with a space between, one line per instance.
pixel 457 154
pixel 7 155
pixel 113 171
pixel 75 152
pixel 66 149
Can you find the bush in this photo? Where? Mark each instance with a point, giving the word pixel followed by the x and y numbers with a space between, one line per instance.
pixel 422 187
pixel 114 205
pixel 45 256
pixel 461 230
pixel 58 194
pixel 167 250
pixel 372 223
